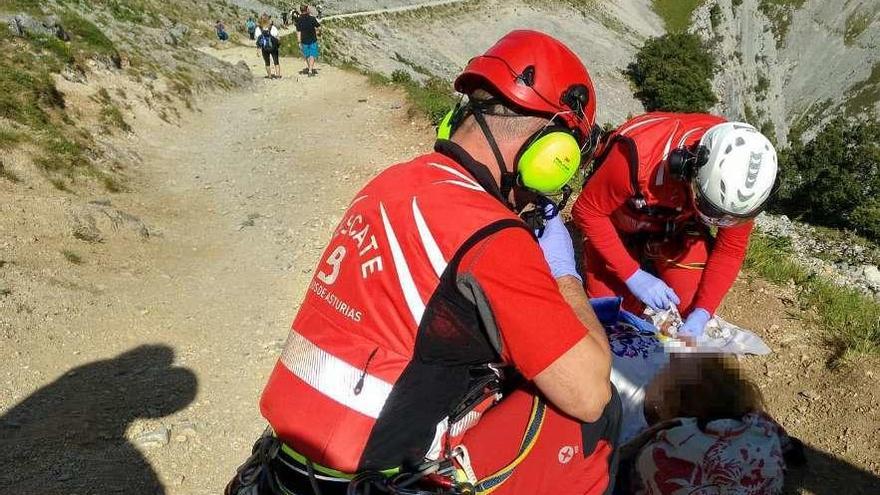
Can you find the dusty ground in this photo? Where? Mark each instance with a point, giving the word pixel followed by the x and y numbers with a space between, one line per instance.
pixel 237 203
pixel 136 359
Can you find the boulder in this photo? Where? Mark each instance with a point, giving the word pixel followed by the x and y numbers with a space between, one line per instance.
pixel 24 25
pixel 871 275
pixel 175 34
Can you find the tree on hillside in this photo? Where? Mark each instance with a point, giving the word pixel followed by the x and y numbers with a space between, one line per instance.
pixel 674 73
pixel 834 179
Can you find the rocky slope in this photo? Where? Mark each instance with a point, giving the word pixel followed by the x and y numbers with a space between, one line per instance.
pixel 839 256
pixel 76 75
pixel 785 64
pixel 438 41
pixel 789 65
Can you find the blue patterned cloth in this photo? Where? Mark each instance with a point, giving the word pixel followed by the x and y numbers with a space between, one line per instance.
pixel 628 335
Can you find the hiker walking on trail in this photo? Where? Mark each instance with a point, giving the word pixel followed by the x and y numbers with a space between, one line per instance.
pixel 222 35
pixel 662 181
pixel 251 26
pixel 414 365
pixel 269 44
pixel 307 31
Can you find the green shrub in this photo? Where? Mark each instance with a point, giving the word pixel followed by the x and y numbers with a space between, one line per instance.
pixel 433 99
pixel 673 73
pixel 72 256
pixel 87 37
pixel 676 14
pixel 834 180
pixel 401 76
pixel 761 87
pixel 768 129
pixel 715 16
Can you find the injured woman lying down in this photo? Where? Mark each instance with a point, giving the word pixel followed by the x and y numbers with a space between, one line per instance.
pixel 692 422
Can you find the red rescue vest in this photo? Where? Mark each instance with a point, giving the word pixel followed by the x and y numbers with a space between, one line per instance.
pixel 660 203
pixel 385 346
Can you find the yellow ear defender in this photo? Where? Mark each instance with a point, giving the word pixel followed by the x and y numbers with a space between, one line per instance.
pixel 549 160
pixel 450 121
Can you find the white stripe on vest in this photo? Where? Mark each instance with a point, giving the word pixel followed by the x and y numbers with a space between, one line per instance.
pixel 334 377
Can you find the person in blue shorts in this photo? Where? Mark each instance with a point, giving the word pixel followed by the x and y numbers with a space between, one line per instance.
pixel 307 31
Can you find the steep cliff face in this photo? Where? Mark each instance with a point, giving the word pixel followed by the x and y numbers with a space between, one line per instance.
pixel 790 65
pixel 439 41
pixel 784 64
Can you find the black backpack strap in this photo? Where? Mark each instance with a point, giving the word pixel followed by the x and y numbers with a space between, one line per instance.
pixel 632 159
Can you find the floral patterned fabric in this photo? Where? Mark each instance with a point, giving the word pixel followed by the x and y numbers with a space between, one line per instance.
pixel 727 457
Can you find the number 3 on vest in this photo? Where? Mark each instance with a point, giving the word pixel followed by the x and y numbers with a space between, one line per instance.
pixel 334 260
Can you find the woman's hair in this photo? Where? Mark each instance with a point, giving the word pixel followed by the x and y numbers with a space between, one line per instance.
pixel 264 21
pixel 707 387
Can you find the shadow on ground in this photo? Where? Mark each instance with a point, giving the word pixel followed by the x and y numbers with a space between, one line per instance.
pixel 824 474
pixel 69 436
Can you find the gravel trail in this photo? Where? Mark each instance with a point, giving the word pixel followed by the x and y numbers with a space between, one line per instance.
pixel 143 375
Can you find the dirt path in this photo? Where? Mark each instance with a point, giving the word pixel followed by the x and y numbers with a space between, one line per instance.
pixel 138 366
pixel 391 10
pixel 240 199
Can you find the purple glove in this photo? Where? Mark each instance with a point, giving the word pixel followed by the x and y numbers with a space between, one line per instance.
pixel 651 290
pixel 695 323
pixel 558 250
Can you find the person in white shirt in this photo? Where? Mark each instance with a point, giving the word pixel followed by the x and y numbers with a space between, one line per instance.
pixel 269 44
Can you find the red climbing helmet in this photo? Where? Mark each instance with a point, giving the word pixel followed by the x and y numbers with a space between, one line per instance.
pixel 538 74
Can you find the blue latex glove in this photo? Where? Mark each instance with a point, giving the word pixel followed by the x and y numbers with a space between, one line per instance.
pixel 695 323
pixel 558 250
pixel 651 290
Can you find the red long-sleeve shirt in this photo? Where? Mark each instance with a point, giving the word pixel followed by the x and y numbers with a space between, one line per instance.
pixel 609 189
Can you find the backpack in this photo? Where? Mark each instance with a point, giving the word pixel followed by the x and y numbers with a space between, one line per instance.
pixel 251 26
pixel 266 41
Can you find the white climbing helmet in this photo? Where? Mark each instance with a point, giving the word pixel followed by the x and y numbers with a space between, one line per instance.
pixel 737 175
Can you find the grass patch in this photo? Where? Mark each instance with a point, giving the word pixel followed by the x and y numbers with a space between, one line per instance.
pixel 29 65
pixel 858 247
pixel 72 257
pixel 111 184
pixel 856 24
pixel 779 12
pixel 289 47
pixel 676 14
pixel 848 318
pixel 865 94
pixel 112 117
pixel 86 37
pixel 431 99
pixel 9 138
pixel 58 183
pixel 809 118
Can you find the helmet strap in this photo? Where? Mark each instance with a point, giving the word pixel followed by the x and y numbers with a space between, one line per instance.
pixel 508 178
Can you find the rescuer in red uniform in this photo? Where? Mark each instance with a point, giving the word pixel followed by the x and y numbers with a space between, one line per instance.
pixel 662 180
pixel 439 345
